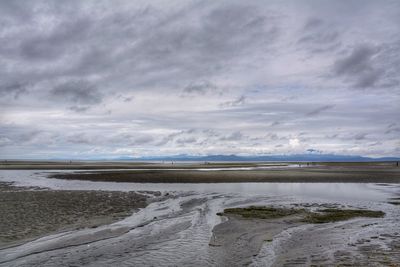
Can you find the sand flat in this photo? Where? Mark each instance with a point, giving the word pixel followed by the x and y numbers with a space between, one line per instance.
pixel 29 213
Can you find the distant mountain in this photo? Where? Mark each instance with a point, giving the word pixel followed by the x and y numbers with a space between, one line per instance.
pixel 312 157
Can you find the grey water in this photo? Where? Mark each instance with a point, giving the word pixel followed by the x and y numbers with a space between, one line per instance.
pixel 342 191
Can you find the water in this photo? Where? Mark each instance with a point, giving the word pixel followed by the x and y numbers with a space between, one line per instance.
pixel 177 231
pixel 343 191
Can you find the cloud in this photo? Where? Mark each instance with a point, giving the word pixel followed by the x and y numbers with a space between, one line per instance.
pixel 183 141
pixel 77 92
pixel 359 66
pixel 235 136
pixel 143 140
pixel 223 77
pixel 358 61
pixel 313 23
pixel 360 136
pixel 294 142
pixel 79 108
pixel 392 128
pixel 80 138
pixel 4 141
pixel 199 88
pixel 54 44
pixel 15 89
pixel 312 150
pixel 318 36
pixel 237 102
pixel 319 110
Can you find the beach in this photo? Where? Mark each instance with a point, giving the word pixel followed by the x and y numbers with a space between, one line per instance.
pixel 30 213
pixel 113 216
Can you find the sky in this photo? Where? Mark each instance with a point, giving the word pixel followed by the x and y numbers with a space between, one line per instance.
pixel 104 79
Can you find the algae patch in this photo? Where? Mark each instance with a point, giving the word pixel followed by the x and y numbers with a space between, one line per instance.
pixel 335 215
pixel 260 212
pixel 319 216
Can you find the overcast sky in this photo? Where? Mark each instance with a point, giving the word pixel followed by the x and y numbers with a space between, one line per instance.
pixel 86 79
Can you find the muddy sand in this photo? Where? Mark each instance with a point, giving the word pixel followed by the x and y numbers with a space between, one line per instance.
pixel 30 213
pixel 238 239
pixel 312 174
pixel 296 242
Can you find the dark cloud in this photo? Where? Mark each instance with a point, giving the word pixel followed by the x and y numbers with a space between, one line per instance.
pixel 14 89
pixel 49 46
pixel 169 138
pixel 79 108
pixel 358 61
pixel 312 150
pixel 392 128
pixel 360 136
pixel 359 66
pixel 201 88
pixel 319 110
pixel 76 92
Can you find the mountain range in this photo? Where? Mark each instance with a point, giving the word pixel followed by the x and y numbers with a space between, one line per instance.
pixel 297 157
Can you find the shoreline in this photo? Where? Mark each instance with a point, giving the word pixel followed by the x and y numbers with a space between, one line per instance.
pixel 96 165
pixel 324 174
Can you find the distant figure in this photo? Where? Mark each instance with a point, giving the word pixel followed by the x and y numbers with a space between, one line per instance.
pixel 307 164
pixel 397 164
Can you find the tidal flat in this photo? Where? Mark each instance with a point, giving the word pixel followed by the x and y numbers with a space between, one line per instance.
pixel 54 219
pixel 29 213
pixel 222 172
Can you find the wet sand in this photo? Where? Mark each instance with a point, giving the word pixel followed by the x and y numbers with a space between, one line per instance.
pixel 238 240
pixel 290 241
pixel 168 232
pixel 185 230
pixel 312 174
pixel 30 213
pixel 352 172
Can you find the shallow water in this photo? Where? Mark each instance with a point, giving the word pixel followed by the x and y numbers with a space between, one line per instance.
pixel 177 231
pixel 341 191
